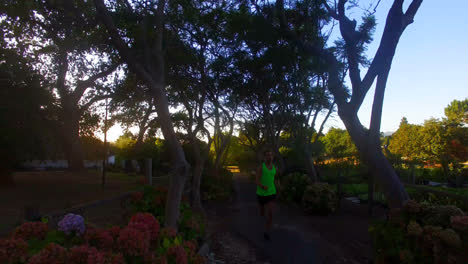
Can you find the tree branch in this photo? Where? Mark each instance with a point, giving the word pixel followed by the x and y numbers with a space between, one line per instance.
pixel 384 55
pixel 83 85
pixel 121 46
pixel 94 100
pixel 334 84
pixel 62 74
pixel 324 121
pixel 411 12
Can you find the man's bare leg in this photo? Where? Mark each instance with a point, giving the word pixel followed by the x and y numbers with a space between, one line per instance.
pixel 261 209
pixel 269 216
pixel 269 219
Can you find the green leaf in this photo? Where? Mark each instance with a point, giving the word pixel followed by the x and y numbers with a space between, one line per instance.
pixel 166 243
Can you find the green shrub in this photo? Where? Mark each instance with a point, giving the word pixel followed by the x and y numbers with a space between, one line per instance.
pixel 152 200
pixel 421 233
pixel 440 215
pixel 319 198
pixel 216 187
pixel 434 198
pixel 293 186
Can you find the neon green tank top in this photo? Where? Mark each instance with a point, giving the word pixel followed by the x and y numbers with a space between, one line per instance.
pixel 267 179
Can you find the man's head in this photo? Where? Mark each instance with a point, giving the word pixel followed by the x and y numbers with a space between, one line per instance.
pixel 268 155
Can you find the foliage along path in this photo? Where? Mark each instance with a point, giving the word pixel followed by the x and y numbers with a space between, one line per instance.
pixel 288 244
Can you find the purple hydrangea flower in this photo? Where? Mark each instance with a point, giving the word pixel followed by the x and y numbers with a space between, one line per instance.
pixel 72 223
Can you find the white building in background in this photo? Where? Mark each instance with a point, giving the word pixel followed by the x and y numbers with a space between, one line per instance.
pixel 111 160
pixel 63 164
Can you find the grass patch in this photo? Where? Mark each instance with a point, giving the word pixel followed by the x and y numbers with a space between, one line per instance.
pixel 354 189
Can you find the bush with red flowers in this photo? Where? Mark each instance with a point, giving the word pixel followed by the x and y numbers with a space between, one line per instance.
pixel 143 240
pixel 176 254
pixel 13 250
pixel 31 230
pixel 133 242
pixel 146 223
pixel 51 254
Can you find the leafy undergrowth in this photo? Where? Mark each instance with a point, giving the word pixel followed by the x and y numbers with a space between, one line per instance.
pixel 318 198
pixel 423 196
pixel 217 187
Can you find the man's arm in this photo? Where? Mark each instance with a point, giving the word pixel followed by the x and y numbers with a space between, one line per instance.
pixel 258 176
pixel 277 182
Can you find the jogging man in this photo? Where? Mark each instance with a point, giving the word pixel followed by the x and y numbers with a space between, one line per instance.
pixel 266 190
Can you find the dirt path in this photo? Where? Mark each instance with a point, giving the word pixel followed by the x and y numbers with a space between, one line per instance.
pixel 296 238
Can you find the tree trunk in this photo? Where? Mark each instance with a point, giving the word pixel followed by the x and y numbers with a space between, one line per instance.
pixel 311 172
pixel 181 167
pixel 196 181
pixel 154 76
pixel 379 167
pixel 71 138
pixel 197 172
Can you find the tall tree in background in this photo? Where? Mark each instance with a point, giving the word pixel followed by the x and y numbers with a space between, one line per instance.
pixel 406 141
pixel 355 39
pixel 141 46
pixel 61 44
pixel 25 106
pixel 457 112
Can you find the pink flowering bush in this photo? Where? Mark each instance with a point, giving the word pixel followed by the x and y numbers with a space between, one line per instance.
pixel 30 230
pixel 151 200
pixel 146 223
pixel 133 242
pixel 99 257
pixel 141 241
pixel 137 197
pixel 105 240
pixel 168 232
pixel 190 247
pixel 79 254
pixel 51 254
pixel 90 255
pixel 114 232
pixel 91 236
pixel 177 254
pixel 13 250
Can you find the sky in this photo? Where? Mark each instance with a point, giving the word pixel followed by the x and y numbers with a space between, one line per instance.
pixel 430 67
pixel 429 70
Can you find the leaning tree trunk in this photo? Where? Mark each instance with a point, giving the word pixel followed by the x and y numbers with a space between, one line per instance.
pixel 181 167
pixel 379 167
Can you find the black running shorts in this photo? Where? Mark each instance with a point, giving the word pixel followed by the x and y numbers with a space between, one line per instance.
pixel 262 200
